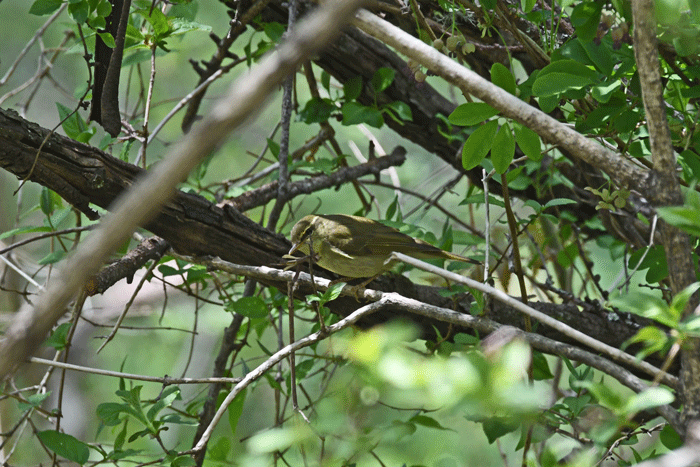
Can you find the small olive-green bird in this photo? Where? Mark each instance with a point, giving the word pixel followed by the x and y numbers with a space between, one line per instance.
pixel 354 246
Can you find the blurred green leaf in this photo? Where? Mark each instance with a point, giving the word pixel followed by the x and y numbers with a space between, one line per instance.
pixel 383 78
pixel 352 88
pixel 354 114
pixel 235 409
pixel 250 307
pixel 45 7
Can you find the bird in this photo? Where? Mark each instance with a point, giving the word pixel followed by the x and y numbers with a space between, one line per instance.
pixel 354 246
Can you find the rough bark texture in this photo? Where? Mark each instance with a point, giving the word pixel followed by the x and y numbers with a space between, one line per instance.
pixel 666 192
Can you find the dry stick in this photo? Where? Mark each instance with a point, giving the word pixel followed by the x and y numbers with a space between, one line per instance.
pixel 517 264
pixel 626 172
pixel 147 107
pixel 117 374
pixel 141 203
pixel 54 233
pixel 483 325
pixel 30 43
pixel 267 273
pixel 283 156
pixel 518 269
pixel 238 26
pixel 615 354
pixel 283 353
pixel 118 324
pixel 282 189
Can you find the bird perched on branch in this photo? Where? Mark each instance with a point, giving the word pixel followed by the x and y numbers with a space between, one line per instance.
pixel 354 246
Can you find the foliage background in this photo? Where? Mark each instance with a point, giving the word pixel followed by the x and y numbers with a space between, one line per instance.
pixel 348 426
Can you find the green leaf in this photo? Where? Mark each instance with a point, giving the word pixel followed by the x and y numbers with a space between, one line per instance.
pixel 65 446
pixel 689 161
pixel 352 88
pixel 251 307
pixel 157 20
pixel 274 31
pixel 670 438
pixel 503 149
pixel 22 230
pixel 478 145
pixel 647 399
pixel 527 5
pixel 585 18
pixel 495 428
pixel 646 305
pixel 568 67
pixel 59 337
pixel 110 413
pixel 180 26
pixel 79 11
pixel 326 80
pixel 52 258
pixel 235 409
pixel 196 273
pixel 316 110
pixel 166 399
pixel 107 38
pixel 218 451
pixel 182 461
pixel 653 338
pixel 104 8
pixel 605 395
pixel 45 7
pixel 529 142
pixel 558 202
pixel 684 217
pixel 383 78
pixel 466 339
pixel 603 92
pixel 354 114
pixel 555 83
pixel 540 367
pixel 601 56
pixel 33 401
pixel 391 210
pixel 402 110
pixel 679 302
pixel 502 77
pixel 426 421
pixel 73 124
pixel 548 103
pixel 471 113
pixel 567 255
pixel 330 294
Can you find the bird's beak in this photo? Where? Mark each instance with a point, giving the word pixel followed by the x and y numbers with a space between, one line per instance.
pixel 294 248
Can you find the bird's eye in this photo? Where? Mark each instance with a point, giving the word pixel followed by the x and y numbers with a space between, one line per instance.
pixel 307 233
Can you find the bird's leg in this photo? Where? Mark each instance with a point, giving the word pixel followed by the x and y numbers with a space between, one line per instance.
pixel 356 289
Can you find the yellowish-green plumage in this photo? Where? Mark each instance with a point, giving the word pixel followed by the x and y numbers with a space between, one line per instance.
pixel 355 246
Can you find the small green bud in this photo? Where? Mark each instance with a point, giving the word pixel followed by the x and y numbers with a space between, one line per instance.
pixel 452 43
